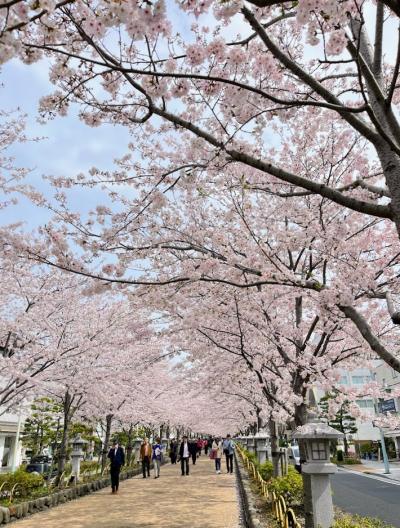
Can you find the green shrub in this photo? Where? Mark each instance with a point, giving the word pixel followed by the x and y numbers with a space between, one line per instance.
pixel 340 456
pixel 290 486
pixel 251 456
pixel 346 461
pixel 355 521
pixel 27 483
pixel 351 461
pixel 266 470
pixel 89 465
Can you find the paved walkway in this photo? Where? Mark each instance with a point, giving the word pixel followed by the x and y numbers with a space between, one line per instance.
pixel 200 500
pixel 374 467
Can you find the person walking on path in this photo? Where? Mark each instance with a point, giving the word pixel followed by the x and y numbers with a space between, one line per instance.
pixel 173 451
pixel 208 445
pixel 117 459
pixel 145 457
pixel 184 454
pixel 193 451
pixel 228 448
pixel 157 452
pixel 199 446
pixel 216 454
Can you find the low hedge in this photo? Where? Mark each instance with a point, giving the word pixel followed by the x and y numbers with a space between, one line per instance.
pixel 290 486
pixel 346 461
pixel 28 484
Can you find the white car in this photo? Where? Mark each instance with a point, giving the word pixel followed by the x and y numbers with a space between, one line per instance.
pixel 294 456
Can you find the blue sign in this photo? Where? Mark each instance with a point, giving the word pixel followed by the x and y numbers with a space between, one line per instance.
pixel 387 406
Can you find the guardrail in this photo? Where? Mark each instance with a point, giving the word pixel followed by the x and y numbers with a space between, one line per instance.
pixel 285 516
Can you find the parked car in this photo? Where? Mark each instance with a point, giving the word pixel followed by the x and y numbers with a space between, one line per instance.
pixel 294 457
pixel 39 464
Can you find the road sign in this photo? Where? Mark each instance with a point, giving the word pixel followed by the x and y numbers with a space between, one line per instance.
pixel 387 406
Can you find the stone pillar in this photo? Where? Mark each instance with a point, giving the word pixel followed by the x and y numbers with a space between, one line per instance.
pixel 397 446
pixel 136 449
pixel 251 445
pixel 261 446
pixel 315 437
pixel 76 456
pixel 2 440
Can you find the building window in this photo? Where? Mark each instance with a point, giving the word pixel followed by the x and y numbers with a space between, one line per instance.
pixel 365 404
pixel 357 380
pixel 344 380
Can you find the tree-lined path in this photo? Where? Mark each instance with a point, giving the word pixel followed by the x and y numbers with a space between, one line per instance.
pixel 201 500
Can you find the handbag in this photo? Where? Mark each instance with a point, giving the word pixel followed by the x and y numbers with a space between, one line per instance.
pixel 213 454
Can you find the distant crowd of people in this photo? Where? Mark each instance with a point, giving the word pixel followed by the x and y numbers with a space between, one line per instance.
pixel 181 452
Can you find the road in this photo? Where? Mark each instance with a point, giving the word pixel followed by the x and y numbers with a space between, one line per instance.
pixel 367 495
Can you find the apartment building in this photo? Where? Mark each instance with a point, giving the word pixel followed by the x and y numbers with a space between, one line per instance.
pixel 365 427
pixel 11 451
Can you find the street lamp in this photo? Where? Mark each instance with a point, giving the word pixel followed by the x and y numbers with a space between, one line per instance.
pixel 77 455
pixel 383 447
pixel 383 410
pixel 315 437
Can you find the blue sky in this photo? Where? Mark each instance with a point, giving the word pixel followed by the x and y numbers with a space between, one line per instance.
pixel 69 146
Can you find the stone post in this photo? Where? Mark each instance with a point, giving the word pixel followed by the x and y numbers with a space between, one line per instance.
pixel 315 437
pixel 136 449
pixel 261 446
pixel 251 445
pixel 76 456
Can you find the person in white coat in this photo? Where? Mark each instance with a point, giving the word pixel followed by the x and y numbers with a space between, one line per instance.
pixel 216 454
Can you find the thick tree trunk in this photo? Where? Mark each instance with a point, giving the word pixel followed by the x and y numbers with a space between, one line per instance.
pixel 62 453
pixel 300 418
pixel 274 448
pixel 346 446
pixel 106 442
pixel 129 447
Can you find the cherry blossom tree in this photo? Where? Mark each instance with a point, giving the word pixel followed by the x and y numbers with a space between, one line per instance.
pixel 219 94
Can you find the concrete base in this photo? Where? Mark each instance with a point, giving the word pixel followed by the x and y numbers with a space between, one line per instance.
pixel 322 505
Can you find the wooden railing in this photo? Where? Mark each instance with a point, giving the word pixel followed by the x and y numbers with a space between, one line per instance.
pixel 285 516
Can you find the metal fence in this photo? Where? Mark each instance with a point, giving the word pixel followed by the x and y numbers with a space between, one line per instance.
pixel 285 516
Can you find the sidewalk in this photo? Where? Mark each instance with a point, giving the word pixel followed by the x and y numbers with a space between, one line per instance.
pixel 372 467
pixel 200 500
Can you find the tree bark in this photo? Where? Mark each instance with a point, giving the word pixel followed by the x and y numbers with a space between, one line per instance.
pixel 106 442
pixel 129 446
pixel 274 448
pixel 300 418
pixel 62 454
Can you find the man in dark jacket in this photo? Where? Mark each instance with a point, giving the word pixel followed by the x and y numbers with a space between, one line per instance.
pixel 184 454
pixel 193 451
pixel 117 458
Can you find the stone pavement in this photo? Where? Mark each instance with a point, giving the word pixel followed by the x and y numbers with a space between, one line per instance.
pixel 200 500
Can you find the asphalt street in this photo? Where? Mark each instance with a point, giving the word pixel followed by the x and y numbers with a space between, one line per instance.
pixel 368 496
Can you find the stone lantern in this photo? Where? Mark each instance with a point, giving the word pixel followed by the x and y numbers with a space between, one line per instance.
pixel 251 444
pixel 77 454
pixel 261 446
pixel 314 438
pixel 136 449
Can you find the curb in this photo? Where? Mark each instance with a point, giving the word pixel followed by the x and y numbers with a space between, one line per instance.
pixel 372 473
pixel 248 505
